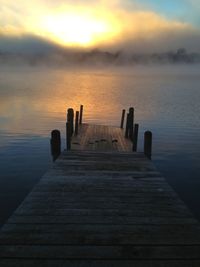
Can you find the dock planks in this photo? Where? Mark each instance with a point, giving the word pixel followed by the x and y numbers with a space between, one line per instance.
pixel 101 138
pixel 101 205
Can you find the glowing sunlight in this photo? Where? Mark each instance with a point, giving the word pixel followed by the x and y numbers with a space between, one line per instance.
pixel 74 29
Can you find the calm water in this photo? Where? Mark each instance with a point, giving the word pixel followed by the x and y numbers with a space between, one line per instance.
pixel 33 101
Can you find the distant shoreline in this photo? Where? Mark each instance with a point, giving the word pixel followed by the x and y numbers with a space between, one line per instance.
pixel 95 57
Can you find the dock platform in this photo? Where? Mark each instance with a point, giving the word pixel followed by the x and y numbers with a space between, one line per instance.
pixel 101 205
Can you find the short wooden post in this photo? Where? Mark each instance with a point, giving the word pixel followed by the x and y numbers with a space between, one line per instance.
pixel 68 136
pixel 81 114
pixel 131 123
pixel 70 119
pixel 122 119
pixel 135 137
pixel 127 125
pixel 55 144
pixel 148 144
pixel 76 122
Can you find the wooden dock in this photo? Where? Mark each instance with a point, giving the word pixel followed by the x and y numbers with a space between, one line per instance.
pixel 101 138
pixel 101 205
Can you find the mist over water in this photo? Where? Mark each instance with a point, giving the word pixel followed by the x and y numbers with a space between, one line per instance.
pixel 34 100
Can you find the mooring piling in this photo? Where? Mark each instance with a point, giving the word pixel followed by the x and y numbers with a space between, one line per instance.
pixel 70 119
pixel 122 118
pixel 55 144
pixel 68 135
pixel 131 123
pixel 135 137
pixel 127 125
pixel 148 144
pixel 81 115
pixel 76 122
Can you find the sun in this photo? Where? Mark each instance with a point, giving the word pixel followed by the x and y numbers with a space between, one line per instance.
pixel 75 29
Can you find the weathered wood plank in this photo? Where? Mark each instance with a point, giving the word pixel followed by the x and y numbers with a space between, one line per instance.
pixel 113 173
pixel 98 252
pixel 100 234
pixel 104 206
pixel 104 167
pixel 100 220
pixel 158 193
pixel 103 212
pixel 53 187
pixel 112 179
pixel 98 263
pixel 101 203
pixel 100 190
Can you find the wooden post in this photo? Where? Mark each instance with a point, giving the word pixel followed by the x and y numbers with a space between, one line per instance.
pixel 81 114
pixel 76 122
pixel 127 125
pixel 69 136
pixel 148 144
pixel 131 123
pixel 70 119
pixel 122 119
pixel 135 137
pixel 55 144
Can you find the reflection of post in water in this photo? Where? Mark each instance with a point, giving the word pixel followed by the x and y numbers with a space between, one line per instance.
pixel 55 144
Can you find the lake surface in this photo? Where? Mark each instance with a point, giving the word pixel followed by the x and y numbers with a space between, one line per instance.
pixel 33 101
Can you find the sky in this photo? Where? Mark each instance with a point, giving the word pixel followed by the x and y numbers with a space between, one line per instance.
pixel 131 25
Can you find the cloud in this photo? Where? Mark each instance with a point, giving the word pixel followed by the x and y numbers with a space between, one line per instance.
pixel 147 31
pixel 119 24
pixel 26 44
pixel 195 3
